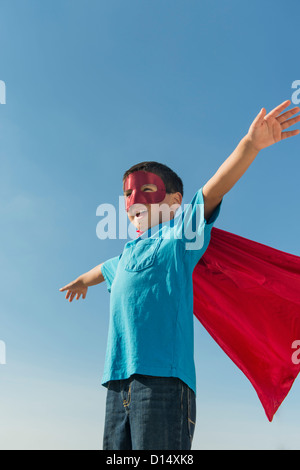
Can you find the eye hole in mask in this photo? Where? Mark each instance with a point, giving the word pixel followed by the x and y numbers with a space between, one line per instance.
pixel 135 182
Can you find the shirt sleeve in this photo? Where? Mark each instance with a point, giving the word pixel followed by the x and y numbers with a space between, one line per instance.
pixel 109 269
pixel 193 229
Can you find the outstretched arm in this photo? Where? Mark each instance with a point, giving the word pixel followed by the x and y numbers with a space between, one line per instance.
pixel 80 285
pixel 265 130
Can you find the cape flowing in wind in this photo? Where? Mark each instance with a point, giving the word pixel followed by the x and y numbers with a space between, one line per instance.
pixel 247 296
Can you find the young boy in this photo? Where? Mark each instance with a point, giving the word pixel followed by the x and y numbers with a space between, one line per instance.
pixel 149 368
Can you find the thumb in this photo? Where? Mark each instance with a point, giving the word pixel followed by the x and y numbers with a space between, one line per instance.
pixel 259 118
pixel 63 288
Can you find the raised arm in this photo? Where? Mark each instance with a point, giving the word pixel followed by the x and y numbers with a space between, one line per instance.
pixel 265 130
pixel 80 285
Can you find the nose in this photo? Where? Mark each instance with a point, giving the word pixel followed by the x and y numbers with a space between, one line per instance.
pixel 135 208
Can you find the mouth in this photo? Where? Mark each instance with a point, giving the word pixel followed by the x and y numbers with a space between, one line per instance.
pixel 141 214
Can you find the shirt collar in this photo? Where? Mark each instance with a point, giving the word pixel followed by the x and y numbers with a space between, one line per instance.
pixel 157 228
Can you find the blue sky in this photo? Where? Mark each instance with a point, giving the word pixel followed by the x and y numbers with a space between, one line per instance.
pixel 91 89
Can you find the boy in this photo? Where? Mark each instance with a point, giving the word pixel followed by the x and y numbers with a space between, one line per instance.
pixel 149 368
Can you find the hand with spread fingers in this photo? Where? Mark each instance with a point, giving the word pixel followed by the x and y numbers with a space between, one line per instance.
pixel 80 286
pixel 75 288
pixel 267 129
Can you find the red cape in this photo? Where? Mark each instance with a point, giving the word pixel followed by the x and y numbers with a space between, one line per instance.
pixel 247 296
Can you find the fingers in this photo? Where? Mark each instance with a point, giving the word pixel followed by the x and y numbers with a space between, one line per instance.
pixel 274 113
pixel 290 122
pixel 72 296
pixel 73 290
pixel 285 135
pixel 68 294
pixel 64 288
pixel 283 117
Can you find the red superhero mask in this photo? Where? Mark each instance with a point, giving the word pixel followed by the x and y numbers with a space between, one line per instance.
pixel 136 180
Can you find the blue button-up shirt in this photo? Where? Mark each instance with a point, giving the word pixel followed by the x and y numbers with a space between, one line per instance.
pixel 151 329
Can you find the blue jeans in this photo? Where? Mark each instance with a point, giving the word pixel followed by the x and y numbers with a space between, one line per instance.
pixel 149 413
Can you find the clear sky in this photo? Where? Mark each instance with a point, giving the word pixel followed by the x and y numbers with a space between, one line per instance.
pixel 93 87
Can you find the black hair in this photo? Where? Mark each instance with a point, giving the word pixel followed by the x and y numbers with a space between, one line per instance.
pixel 171 180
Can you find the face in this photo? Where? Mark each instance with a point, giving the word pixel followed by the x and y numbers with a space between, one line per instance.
pixel 147 202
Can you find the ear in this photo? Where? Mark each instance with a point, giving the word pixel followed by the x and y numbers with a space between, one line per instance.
pixel 177 198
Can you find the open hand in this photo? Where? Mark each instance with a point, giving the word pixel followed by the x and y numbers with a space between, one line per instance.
pixel 75 288
pixel 267 129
